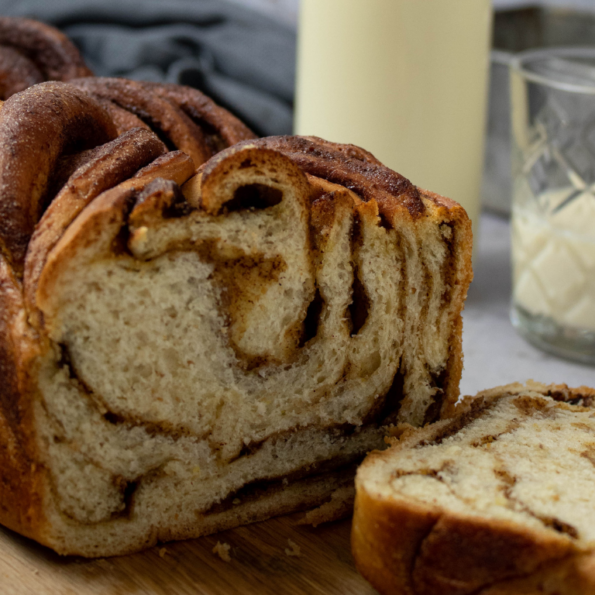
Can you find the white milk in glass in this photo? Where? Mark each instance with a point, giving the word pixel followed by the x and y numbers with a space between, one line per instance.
pixel 406 80
pixel 554 258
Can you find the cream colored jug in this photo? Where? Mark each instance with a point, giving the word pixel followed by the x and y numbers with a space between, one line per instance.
pixel 405 79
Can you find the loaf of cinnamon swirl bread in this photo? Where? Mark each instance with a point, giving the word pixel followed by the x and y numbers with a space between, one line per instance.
pixel 185 352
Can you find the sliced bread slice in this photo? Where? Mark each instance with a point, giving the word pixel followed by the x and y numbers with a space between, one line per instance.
pixel 498 499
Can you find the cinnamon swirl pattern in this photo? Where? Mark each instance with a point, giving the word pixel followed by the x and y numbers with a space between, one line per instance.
pixel 185 351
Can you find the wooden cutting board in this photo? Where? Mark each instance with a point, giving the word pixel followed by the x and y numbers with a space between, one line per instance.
pixel 259 565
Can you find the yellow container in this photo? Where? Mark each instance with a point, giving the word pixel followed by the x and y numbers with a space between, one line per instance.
pixel 405 79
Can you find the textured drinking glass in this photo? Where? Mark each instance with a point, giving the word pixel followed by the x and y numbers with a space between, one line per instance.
pixel 553 214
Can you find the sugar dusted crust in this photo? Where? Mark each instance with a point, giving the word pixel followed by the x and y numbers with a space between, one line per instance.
pixel 32 52
pixel 17 72
pixel 70 120
pixel 182 117
pixel 221 129
pixel 352 167
pixel 492 501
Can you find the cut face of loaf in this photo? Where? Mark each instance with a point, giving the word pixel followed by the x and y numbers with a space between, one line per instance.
pixel 498 500
pixel 224 352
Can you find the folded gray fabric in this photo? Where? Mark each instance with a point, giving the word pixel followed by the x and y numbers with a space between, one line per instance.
pixel 240 58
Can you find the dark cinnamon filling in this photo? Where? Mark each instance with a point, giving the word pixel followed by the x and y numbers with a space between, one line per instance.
pixel 386 408
pixel 254 196
pixel 335 432
pixel 128 496
pixel 312 319
pixel 580 400
pixel 478 409
pixel 359 308
pixel 438 381
pixel 258 489
pixel 449 264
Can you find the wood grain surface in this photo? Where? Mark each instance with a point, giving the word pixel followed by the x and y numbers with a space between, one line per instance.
pixel 259 565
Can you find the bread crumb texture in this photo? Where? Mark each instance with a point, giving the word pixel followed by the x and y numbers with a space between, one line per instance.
pixel 526 459
pixel 513 474
pixel 293 549
pixel 222 550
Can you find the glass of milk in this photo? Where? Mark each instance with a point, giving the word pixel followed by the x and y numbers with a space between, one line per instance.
pixel 553 214
pixel 404 79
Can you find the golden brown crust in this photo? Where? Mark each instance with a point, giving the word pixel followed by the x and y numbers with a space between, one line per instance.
pixel 460 262
pixel 16 72
pixel 376 523
pixel 123 119
pixel 158 200
pixel 51 51
pixel 462 555
pixel 579 396
pixel 221 128
pixel 173 126
pixel 10 308
pixel 71 122
pixel 572 576
pixel 176 166
pixel 582 395
pixel 20 502
pixel 183 117
pixel 449 554
pixel 352 167
pixel 21 506
pixel 405 547
pixel 214 192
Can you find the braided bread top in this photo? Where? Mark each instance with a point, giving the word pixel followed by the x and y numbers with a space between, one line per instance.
pixel 221 128
pixel 45 54
pixel 16 72
pixel 182 117
pixel 37 127
pixel 347 165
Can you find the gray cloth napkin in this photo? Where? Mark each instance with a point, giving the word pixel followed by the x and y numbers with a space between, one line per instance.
pixel 240 58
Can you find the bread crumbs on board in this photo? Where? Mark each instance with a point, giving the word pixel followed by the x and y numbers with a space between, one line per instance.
pixel 222 550
pixel 293 549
